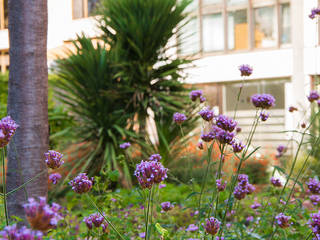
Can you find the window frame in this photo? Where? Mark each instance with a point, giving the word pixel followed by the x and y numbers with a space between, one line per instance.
pixel 85 13
pixel 223 8
pixel 2 15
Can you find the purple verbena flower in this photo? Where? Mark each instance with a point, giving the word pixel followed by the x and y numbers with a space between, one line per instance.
pixel 162 186
pixel 149 173
pixel 264 101
pixel 200 145
pixel 238 129
pixel 155 157
pixel 125 145
pixel 315 199
pixel 179 118
pixel 206 114
pixel 314 224
pixel 192 228
pixel 97 220
pixel 314 13
pixel 54 177
pixel 142 235
pixel 281 149
pixel 8 128
pixel 53 159
pixel 166 206
pixel 313 185
pixel 222 136
pixel 237 147
pixel 245 70
pixel 275 182
pixel 250 219
pixel 13 233
pixel 256 205
pixel 264 116
pixel 292 109
pixel 313 96
pixel 212 226
pixel 226 123
pixel 221 185
pixel 202 99
pixel 81 183
pixel 243 188
pixel 40 215
pixel 207 137
pixel 195 94
pixel 243 178
pixel 282 220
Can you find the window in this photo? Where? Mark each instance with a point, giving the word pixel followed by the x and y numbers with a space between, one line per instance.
pixel 83 8
pixel 285 23
pixel 189 40
pixel 4 14
pixel 231 25
pixel 213 34
pixel 238 30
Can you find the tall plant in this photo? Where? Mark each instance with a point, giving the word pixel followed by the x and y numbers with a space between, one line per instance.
pixel 141 33
pixel 91 91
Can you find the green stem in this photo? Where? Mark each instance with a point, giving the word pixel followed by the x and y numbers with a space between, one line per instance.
pixel 4 187
pixel 27 182
pixel 151 215
pixel 147 216
pixel 105 218
pixel 238 99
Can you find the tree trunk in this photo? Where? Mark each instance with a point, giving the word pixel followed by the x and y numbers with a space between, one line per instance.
pixel 27 100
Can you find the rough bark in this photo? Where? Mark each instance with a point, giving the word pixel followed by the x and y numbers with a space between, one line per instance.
pixel 27 100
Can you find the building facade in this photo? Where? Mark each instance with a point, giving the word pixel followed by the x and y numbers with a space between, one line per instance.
pixel 275 37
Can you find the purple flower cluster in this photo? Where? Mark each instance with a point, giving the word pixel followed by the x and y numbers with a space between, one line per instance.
pixel 275 182
pixel 212 226
pixel 314 224
pixel 81 183
pixel 155 157
pixel 226 123
pixel 125 145
pixel 256 205
pixel 179 118
pixel 192 228
pixel 313 185
pixel 237 146
pixel 206 114
pixel 314 13
pixel 24 233
pixel 245 70
pixel 243 188
pixel 315 199
pixel 282 220
pixel 200 145
pixel 55 177
pixel 40 215
pixel 221 185
pixel 149 173
pixel 8 128
pixel 97 220
pixel 207 137
pixel 195 94
pixel 281 150
pixel 167 206
pixel 264 116
pixel 313 96
pixel 53 159
pixel 264 101
pixel 222 136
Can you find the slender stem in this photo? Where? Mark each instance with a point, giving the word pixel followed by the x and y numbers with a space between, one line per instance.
pixel 309 236
pixel 219 175
pixel 151 215
pixel 4 187
pixel 205 177
pixel 27 182
pixel 147 216
pixel 105 218
pixel 234 181
pixel 238 99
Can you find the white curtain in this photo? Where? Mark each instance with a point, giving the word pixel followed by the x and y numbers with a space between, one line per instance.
pixel 213 34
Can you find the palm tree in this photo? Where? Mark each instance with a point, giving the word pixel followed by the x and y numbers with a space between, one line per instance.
pixel 27 100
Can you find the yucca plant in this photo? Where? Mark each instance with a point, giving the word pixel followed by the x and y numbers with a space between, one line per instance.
pixel 89 88
pixel 142 33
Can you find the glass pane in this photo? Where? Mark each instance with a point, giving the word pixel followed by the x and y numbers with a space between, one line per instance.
pixel 238 30
pixel 6 14
pixel 213 36
pixel 192 6
pixel 77 9
pixel 206 2
pixel 285 23
pixel 277 90
pixel 92 4
pixel 237 2
pixel 232 91
pixel 190 39
pixel 265 27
